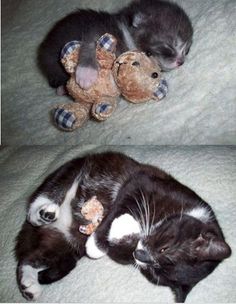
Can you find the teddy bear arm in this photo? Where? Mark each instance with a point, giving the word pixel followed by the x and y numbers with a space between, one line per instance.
pixel 104 108
pixel 71 116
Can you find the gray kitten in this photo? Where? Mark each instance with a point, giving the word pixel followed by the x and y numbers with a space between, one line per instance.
pixel 160 28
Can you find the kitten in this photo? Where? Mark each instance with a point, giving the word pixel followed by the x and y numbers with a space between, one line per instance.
pixel 160 28
pixel 150 220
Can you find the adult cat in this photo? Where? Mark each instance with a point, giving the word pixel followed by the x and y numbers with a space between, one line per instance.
pixel 150 220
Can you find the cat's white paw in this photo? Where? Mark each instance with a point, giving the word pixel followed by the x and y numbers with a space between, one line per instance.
pixel 85 76
pixel 29 285
pixel 92 249
pixel 43 211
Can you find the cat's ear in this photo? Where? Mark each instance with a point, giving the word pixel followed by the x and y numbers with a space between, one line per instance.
pixel 138 20
pixel 211 248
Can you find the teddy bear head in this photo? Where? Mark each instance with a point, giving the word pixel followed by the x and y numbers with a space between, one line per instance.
pixel 139 77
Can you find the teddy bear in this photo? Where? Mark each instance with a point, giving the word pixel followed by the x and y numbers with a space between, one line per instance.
pixel 93 212
pixel 132 75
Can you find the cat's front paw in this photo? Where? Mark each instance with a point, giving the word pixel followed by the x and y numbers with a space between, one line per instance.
pixel 86 76
pixel 43 211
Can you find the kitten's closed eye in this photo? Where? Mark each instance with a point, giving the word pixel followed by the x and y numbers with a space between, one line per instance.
pixel 167 52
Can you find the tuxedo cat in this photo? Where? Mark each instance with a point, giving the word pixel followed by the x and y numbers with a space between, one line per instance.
pixel 160 28
pixel 151 220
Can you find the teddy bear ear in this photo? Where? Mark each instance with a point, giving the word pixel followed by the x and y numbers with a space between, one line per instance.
pixel 69 56
pixel 107 42
pixel 161 90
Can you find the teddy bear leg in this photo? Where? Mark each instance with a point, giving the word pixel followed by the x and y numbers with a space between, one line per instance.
pixel 69 117
pixel 104 109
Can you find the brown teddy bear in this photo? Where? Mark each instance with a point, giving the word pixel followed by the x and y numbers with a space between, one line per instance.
pixel 133 75
pixel 93 212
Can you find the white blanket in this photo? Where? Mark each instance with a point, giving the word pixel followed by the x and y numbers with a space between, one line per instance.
pixel 200 107
pixel 210 171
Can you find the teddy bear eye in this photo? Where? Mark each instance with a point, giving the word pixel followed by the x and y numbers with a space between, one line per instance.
pixel 136 63
pixel 154 75
pixel 149 53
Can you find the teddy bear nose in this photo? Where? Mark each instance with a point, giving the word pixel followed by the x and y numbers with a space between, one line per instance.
pixel 120 63
pixel 154 75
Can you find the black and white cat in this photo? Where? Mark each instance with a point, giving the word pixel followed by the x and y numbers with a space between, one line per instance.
pixel 160 28
pixel 151 220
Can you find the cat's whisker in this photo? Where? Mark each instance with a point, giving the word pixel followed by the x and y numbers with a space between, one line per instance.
pixel 136 266
pixel 135 217
pixel 170 259
pixel 181 212
pixel 141 215
pixel 147 212
pixel 153 216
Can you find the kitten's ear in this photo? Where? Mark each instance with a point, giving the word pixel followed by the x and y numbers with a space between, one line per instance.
pixel 211 248
pixel 138 20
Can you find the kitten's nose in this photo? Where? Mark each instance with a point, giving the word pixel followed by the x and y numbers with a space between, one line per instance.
pixel 180 62
pixel 142 256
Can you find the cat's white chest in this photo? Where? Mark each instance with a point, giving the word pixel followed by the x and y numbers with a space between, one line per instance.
pixel 122 226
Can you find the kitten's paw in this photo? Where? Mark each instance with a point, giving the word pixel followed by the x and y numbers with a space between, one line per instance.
pixel 43 211
pixel 85 76
pixel 29 285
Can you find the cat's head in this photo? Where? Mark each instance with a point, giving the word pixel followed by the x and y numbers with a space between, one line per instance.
pixel 179 252
pixel 164 32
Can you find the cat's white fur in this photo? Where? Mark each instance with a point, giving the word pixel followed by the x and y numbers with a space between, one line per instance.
pixel 92 249
pixel 200 213
pixel 63 222
pixel 29 280
pixel 42 202
pixel 122 226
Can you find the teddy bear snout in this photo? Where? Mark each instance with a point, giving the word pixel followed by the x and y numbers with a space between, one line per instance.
pixel 155 75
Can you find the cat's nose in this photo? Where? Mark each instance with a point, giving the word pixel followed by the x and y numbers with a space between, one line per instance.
pixel 142 256
pixel 180 62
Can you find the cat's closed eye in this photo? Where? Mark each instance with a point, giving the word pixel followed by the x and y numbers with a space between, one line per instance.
pixel 163 249
pixel 167 52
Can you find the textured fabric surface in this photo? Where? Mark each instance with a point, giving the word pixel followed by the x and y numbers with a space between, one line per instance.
pixel 200 107
pixel 210 171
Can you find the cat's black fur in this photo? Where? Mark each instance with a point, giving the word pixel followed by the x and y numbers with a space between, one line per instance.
pixel 174 247
pixel 160 28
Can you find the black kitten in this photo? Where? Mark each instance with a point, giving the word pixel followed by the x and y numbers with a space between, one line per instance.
pixel 150 220
pixel 159 28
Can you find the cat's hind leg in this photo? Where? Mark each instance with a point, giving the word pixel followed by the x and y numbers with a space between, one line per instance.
pixel 46 208
pixel 44 256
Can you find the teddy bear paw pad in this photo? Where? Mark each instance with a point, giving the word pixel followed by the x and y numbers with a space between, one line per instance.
pixel 161 90
pixel 64 119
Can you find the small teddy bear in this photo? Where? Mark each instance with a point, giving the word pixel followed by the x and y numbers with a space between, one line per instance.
pixel 133 75
pixel 92 211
